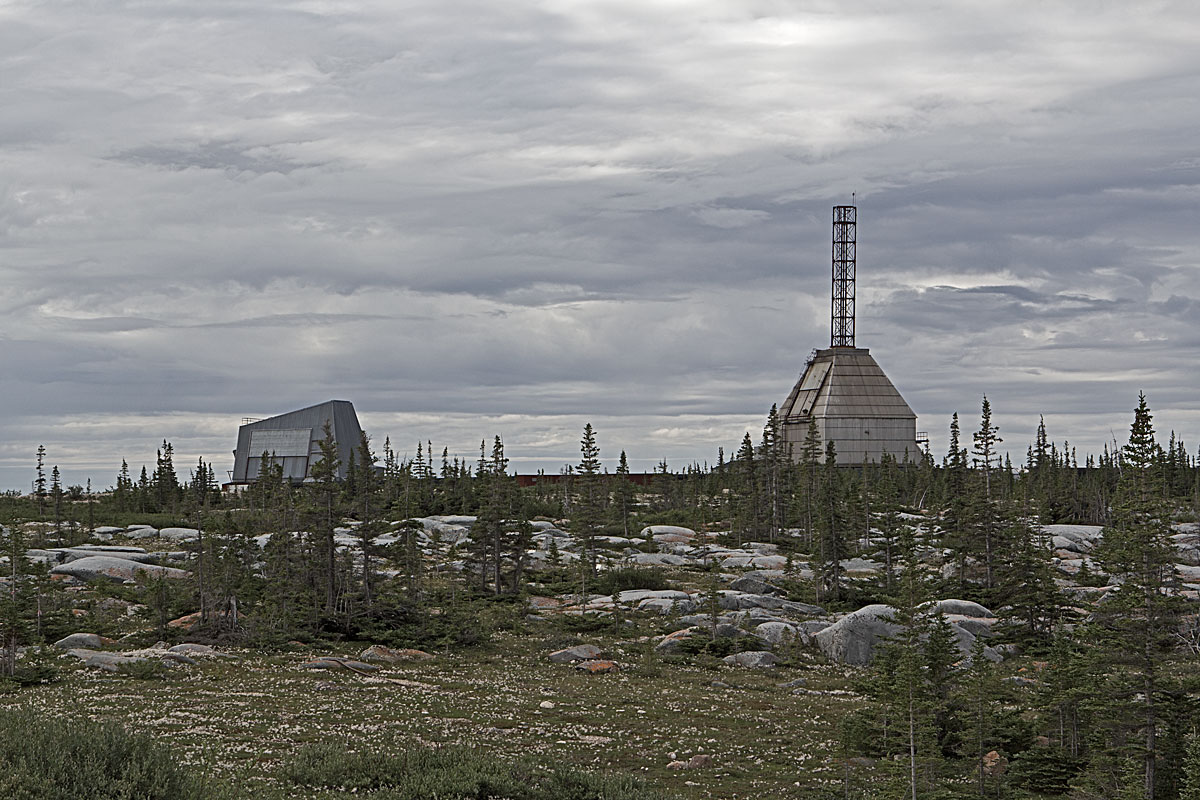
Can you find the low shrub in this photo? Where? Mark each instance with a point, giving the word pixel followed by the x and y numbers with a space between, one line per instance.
pixel 145 670
pixel 452 773
pixel 55 759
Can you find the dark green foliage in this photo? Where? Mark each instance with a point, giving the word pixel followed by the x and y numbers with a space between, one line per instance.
pixel 627 578
pixel 145 670
pixel 51 759
pixel 1044 770
pixel 451 773
pixel 444 620
pixel 718 647
pixel 36 668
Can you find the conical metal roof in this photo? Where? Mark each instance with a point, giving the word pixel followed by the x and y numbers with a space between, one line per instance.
pixel 854 404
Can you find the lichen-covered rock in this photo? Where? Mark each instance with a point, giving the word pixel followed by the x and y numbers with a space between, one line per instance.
pixel 598 666
pixel 95 568
pixel 774 633
pixel 667 530
pixel 665 606
pixel 752 658
pixel 332 663
pixel 179 534
pixel 753 585
pixel 580 652
pixel 660 560
pixel 90 641
pixel 109 662
pixel 853 638
pixel 388 655
pixel 140 532
pixel 964 607
pixel 192 649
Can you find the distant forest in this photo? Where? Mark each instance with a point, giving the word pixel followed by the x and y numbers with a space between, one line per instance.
pixel 1113 714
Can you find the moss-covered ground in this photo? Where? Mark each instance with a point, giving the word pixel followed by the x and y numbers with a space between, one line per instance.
pixel 244 720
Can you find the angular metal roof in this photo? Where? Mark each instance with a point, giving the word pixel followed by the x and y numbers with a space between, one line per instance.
pixel 293 440
pixel 845 382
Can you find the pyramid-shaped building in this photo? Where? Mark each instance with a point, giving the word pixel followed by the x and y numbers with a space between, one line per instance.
pixel 843 391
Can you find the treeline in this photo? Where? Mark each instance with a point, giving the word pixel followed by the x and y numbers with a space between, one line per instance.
pixel 977 507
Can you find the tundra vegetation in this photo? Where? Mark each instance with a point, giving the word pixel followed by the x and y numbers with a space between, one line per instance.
pixel 764 626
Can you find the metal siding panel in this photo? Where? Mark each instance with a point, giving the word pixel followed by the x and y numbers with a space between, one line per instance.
pixel 284 442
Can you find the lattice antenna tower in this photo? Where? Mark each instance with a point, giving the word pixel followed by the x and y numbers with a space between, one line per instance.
pixel 845 224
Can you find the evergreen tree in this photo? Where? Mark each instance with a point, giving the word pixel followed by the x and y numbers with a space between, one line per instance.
pixel 887 518
pixel 985 514
pixel 809 473
pixel 39 482
pixel 1138 618
pixel 494 522
pixel 1029 598
pixel 202 485
pixel 623 493
pixel 324 513
pixel 775 458
pixel 909 691
pixel 980 695
pixel 955 502
pixel 123 492
pixel 142 491
pixel 370 524
pixel 15 626
pixel 748 510
pixel 590 506
pixel 1190 788
pixel 165 482
pixel 832 543
pixel 56 499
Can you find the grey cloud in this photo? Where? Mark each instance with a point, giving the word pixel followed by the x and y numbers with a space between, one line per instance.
pixel 553 212
pixel 211 155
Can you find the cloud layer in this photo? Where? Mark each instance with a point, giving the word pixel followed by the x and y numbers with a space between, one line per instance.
pixel 477 218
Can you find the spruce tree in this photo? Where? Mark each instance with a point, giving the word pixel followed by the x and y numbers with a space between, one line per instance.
pixel 123 492
pixel 324 494
pixel 1137 621
pixel 589 509
pixel 1190 785
pixel 955 502
pixel 833 529
pixel 748 512
pixel 56 499
pixel 980 695
pixel 624 493
pixel 776 459
pixel 908 691
pixel 39 482
pixel 368 511
pixel 986 461
pixel 809 474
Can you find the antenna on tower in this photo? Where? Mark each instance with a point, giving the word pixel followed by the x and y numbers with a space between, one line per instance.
pixel 845 235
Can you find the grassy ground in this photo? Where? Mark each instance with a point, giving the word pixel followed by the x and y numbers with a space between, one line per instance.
pixel 244 720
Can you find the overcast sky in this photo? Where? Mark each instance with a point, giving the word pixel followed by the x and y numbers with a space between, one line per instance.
pixel 479 218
